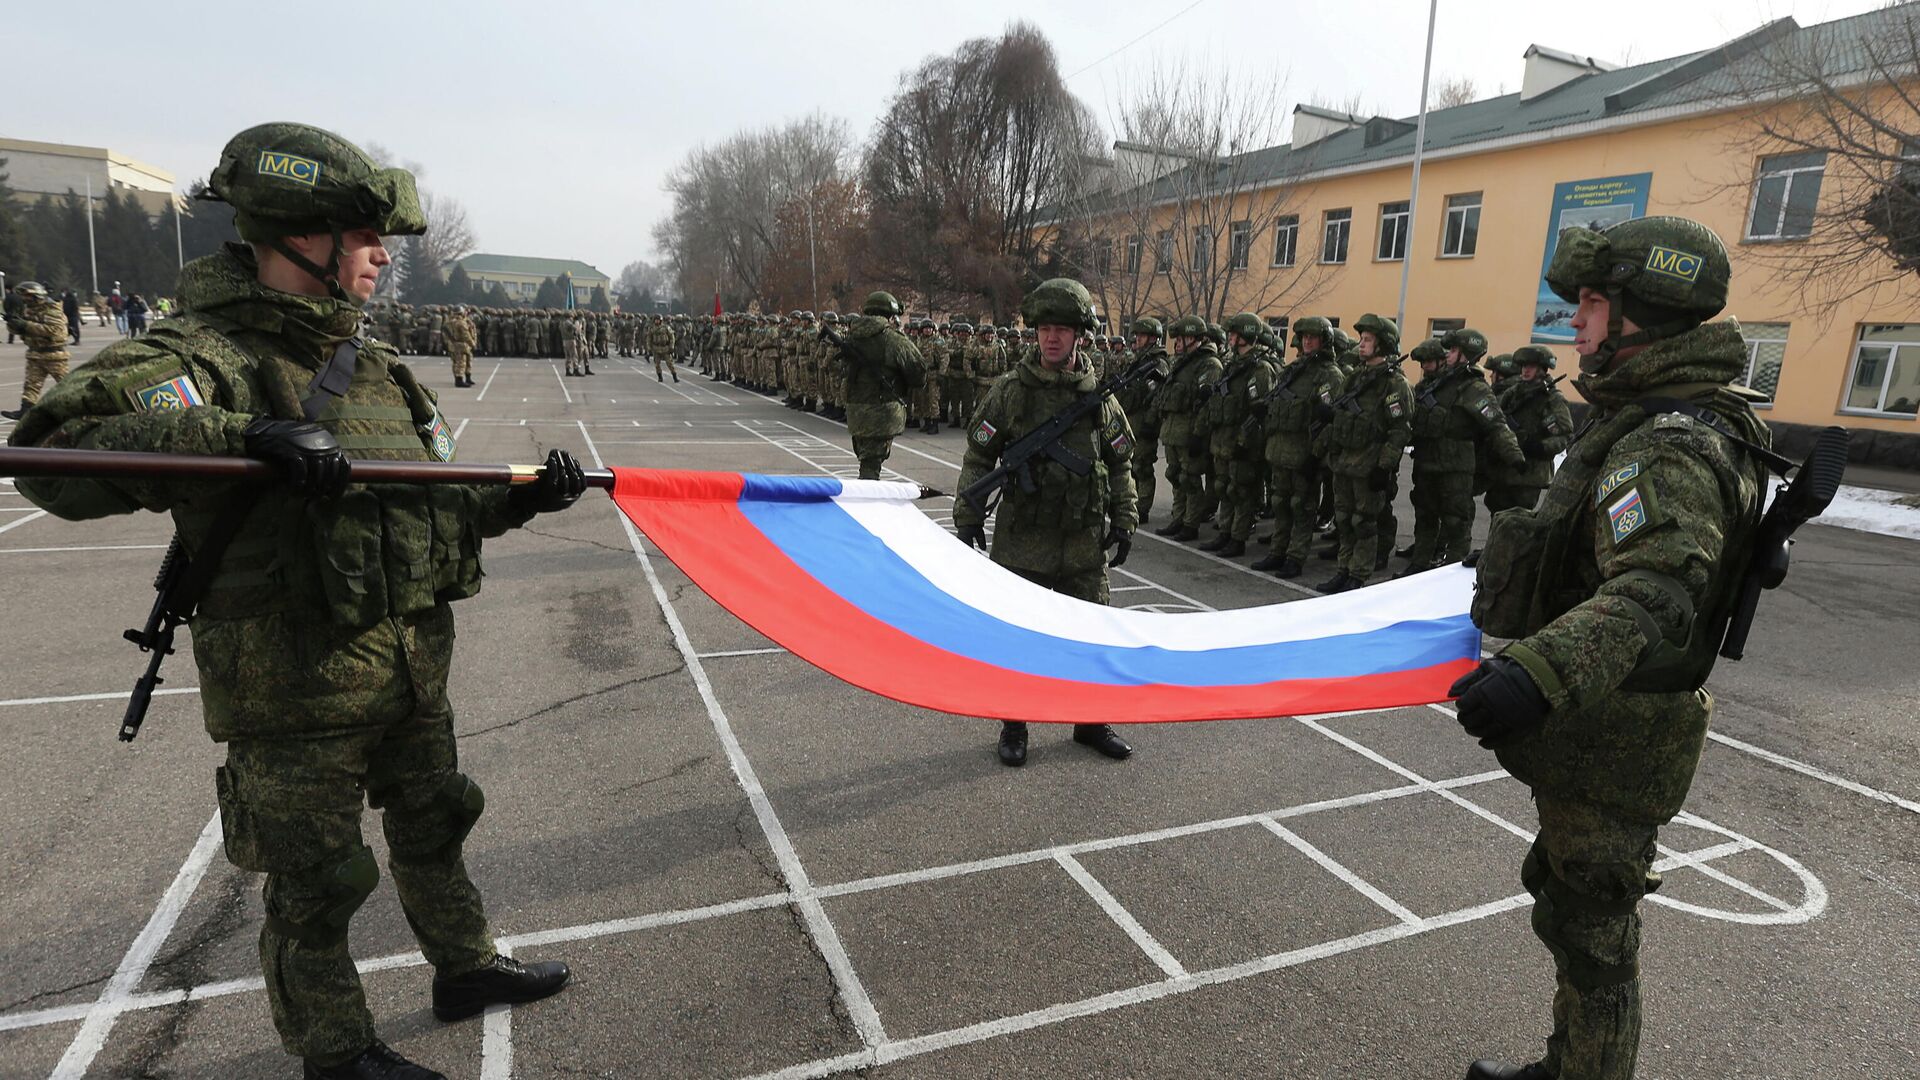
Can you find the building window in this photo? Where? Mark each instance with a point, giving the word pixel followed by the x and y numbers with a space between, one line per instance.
pixel 1163 252
pixel 1333 243
pixel 1286 240
pixel 1393 232
pixel 1461 236
pixel 1784 196
pixel 1279 324
pixel 1440 327
pixel 1202 248
pixel 1102 257
pixel 1239 244
pixel 1766 351
pixel 1886 370
pixel 1133 254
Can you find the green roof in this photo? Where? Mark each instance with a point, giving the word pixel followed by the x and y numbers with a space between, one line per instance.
pixel 518 264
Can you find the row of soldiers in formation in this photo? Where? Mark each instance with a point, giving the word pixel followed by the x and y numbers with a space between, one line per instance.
pixel 1318 439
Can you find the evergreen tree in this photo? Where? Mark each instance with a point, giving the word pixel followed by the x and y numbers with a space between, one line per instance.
pixel 599 302
pixel 460 288
pixel 548 296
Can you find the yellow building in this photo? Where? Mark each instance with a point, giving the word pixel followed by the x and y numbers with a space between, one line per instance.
pixel 1320 226
pixel 521 276
pixel 36 168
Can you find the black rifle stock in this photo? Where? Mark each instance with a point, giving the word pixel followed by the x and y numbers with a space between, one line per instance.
pixel 1804 498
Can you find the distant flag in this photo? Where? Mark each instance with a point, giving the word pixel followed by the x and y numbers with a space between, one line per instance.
pixel 851 577
pixel 716 303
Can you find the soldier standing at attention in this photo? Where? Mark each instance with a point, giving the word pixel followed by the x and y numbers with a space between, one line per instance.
pixel 1236 443
pixel 933 353
pixel 1541 422
pixel 323 668
pixel 1297 406
pixel 1457 415
pixel 1616 593
pixel 1137 401
pixel 1179 399
pixel 1365 440
pixel 460 336
pixel 660 346
pixel 882 369
pixel 1056 536
pixel 44 325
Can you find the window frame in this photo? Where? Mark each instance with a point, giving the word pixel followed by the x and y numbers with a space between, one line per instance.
pixel 1345 223
pixel 1753 357
pixel 1290 225
pixel 1435 330
pixel 1761 175
pixel 1390 224
pixel 1240 245
pixel 1136 250
pixel 1163 252
pixel 1461 209
pixel 1886 377
pixel 1200 260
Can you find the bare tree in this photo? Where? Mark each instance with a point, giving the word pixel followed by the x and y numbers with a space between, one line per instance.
pixel 1455 90
pixel 641 276
pixel 1192 213
pixel 1836 131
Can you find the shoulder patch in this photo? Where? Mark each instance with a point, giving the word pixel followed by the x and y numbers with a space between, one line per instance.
pixel 1394 408
pixel 983 432
pixel 1627 515
pixel 438 439
pixel 173 393
pixel 1614 479
pixel 1486 408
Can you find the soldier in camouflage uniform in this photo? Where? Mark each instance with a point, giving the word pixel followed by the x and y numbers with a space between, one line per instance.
pixel 933 353
pixel 882 369
pixel 44 325
pixel 660 347
pixel 1541 422
pixel 1363 443
pixel 1234 437
pixel 1058 535
pixel 1298 405
pixel 1177 404
pixel 1455 413
pixel 1502 369
pixel 1137 402
pixel 1616 592
pixel 324 639
pixel 460 335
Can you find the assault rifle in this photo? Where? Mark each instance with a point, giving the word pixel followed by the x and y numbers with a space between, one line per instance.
pixel 1018 459
pixel 1800 500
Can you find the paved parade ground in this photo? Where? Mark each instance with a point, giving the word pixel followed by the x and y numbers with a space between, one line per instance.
pixel 758 871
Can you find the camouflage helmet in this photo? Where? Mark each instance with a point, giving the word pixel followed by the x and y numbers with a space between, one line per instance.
pixel 1383 330
pixel 1149 326
pixel 1059 302
pixel 1429 351
pixel 795 314
pixel 1532 354
pixel 1247 325
pixel 1471 343
pixel 1667 274
pixel 1313 324
pixel 1188 326
pixel 830 317
pixel 985 327
pixel 880 303
pixel 31 288
pixel 1503 365
pixel 1343 342
pixel 960 328
pixel 1217 334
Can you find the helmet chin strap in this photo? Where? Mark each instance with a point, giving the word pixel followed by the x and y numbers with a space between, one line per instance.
pixel 1598 361
pixel 328 275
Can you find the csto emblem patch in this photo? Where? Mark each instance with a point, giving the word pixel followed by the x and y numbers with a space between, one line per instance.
pixel 984 432
pixel 172 395
pixel 1627 515
pixel 300 170
pixel 439 440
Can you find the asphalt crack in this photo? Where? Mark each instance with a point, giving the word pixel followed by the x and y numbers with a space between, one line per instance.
pixel 678 770
pixel 564 702
pixel 577 540
pixel 187 966
pixel 31 998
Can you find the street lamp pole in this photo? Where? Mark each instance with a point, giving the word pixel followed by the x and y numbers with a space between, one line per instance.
pixel 1419 152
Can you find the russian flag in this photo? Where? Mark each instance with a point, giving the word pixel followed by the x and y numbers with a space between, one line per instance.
pixel 850 576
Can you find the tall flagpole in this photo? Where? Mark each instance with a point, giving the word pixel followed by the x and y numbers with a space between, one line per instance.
pixel 1419 152
pixel 92 259
pixel 179 246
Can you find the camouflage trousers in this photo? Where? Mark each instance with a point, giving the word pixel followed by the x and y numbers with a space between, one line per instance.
pixel 1295 497
pixel 1088 585
pixel 1240 495
pixel 1587 872
pixel 1364 522
pixel 39 370
pixel 926 399
pixel 1187 476
pixel 291 808
pixel 1442 516
pixel 663 366
pixel 1146 454
pixel 462 358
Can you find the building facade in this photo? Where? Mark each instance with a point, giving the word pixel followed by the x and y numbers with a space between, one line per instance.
pixel 35 168
pixel 521 276
pixel 1327 225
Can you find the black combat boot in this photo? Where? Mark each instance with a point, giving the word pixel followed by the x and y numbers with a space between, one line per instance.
pixel 376 1062
pixel 1171 528
pixel 1217 543
pixel 1405 552
pixel 1188 532
pixel 1338 583
pixel 1013 743
pixel 504 981
pixel 587 369
pixel 932 428
pixel 1380 561
pixel 1290 569
pixel 676 374
pixel 1102 739
pixel 1233 549
pixel 1493 1070
pixel 15 414
pixel 1270 562
pixel 1412 569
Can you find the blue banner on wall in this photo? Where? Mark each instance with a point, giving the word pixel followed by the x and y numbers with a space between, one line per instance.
pixel 1592 204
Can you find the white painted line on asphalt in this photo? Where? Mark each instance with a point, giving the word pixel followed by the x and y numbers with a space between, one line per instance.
pixel 1332 866
pixel 1133 588
pixel 680 442
pixel 1816 773
pixel 555 368
pixel 458 431
pixel 12 525
pixel 84 547
pixel 496 1035
pixel 866 1020
pixel 740 652
pixel 1394 767
pixel 646 922
pixel 1121 917
pixel 488 385
pixel 119 695
pixel 17 509
pixel 133 966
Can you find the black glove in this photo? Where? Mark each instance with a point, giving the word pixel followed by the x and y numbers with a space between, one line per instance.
pixel 972 535
pixel 1377 480
pixel 307 455
pixel 1472 559
pixel 561 483
pixel 1499 703
pixel 1121 540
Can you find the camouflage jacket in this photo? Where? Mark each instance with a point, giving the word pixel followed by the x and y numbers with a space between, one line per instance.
pixel 1372 418
pixel 1301 391
pixel 1453 412
pixel 1244 381
pixel 1057 528
pixel 44 326
pixel 1541 421
pixel 1182 395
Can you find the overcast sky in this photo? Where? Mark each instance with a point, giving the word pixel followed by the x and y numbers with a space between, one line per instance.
pixel 555 122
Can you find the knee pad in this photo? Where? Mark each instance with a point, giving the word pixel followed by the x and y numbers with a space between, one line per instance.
pixel 343 885
pixel 1557 905
pixel 434 829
